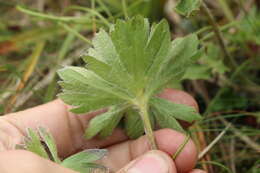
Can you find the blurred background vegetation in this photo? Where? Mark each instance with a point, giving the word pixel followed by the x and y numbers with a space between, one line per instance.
pixel 41 36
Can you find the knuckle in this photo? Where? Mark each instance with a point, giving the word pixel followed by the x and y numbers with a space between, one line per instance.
pixel 9 135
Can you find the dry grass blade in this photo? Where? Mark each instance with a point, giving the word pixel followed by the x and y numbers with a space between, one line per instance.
pixel 34 57
pixel 41 84
pixel 201 155
pixel 242 137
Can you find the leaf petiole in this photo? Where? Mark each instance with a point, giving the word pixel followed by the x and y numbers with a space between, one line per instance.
pixel 143 110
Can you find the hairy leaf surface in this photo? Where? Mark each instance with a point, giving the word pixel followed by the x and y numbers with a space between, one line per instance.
pixel 33 144
pixel 50 142
pixel 98 123
pixel 82 161
pixel 175 110
pixel 133 124
pixel 129 65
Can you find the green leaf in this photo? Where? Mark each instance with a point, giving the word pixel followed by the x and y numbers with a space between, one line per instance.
pixel 197 71
pixel 50 143
pixel 82 161
pixel 213 60
pixel 187 7
pixel 158 49
pixel 129 64
pixel 78 93
pixel 84 76
pixel 166 121
pixel 87 102
pixel 183 52
pixel 98 123
pixel 111 125
pixel 134 32
pixel 93 168
pixel 133 124
pixel 178 111
pixel 105 58
pixel 33 144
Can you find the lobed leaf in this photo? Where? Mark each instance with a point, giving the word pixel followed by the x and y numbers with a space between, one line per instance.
pixel 133 124
pixel 33 144
pixel 166 121
pixel 82 161
pixel 50 142
pixel 213 59
pixel 86 102
pixel 187 7
pixel 111 125
pixel 197 71
pixel 157 49
pixel 184 51
pixel 130 39
pixel 98 123
pixel 133 61
pixel 178 111
pixel 104 52
pixel 110 73
pixel 87 77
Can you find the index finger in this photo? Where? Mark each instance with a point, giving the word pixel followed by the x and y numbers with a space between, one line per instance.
pixel 67 128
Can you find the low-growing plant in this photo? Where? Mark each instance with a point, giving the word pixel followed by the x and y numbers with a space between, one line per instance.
pixel 125 70
pixel 42 143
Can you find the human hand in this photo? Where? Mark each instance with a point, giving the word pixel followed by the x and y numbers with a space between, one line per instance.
pixel 125 156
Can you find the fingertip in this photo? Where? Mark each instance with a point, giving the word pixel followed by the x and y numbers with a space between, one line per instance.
pixel 169 141
pixel 197 171
pixel 167 159
pixel 153 162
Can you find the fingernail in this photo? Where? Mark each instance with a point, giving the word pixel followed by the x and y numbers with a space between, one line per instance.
pixel 152 163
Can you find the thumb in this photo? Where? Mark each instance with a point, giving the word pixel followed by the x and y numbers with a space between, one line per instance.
pixel 152 162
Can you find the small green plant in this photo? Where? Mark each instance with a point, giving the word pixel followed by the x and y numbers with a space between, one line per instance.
pixel 188 7
pixel 42 143
pixel 125 70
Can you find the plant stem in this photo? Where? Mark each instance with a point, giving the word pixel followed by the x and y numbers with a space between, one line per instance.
pixel 76 33
pixel 218 34
pixel 181 147
pixel 226 9
pixel 147 126
pixel 93 6
pixel 124 9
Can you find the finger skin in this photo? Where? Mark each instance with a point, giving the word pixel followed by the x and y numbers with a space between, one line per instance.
pixel 67 128
pixel 20 161
pixel 168 164
pixel 197 171
pixel 168 141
